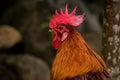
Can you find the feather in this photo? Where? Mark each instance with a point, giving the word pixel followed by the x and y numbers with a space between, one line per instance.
pixel 75 60
pixel 93 76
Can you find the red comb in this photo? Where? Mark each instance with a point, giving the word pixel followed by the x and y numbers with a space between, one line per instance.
pixel 66 18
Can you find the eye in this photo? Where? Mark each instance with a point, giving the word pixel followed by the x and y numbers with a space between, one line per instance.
pixel 60 28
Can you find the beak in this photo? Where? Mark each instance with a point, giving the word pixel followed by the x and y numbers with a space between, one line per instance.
pixel 50 30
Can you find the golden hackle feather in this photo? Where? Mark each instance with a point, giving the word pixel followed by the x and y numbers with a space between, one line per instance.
pixel 74 57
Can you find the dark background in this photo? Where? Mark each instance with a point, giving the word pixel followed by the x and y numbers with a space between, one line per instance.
pixel 25 43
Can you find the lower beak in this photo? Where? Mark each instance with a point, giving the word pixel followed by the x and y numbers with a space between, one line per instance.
pixel 50 30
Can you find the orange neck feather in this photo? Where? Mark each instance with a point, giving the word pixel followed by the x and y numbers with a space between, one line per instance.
pixel 75 58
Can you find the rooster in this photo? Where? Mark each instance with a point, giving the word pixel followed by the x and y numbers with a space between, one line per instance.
pixel 74 60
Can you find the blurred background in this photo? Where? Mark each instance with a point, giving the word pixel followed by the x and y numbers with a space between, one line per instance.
pixel 25 43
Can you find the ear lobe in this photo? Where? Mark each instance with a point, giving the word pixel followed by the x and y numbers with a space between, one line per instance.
pixel 64 36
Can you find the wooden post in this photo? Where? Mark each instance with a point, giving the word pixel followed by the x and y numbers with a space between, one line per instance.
pixel 111 37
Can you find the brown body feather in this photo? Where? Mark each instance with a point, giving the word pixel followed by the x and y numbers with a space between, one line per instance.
pixel 75 60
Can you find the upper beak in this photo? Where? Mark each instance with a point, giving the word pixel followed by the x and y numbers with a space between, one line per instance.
pixel 50 30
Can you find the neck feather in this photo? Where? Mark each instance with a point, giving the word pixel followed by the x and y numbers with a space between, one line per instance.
pixel 74 58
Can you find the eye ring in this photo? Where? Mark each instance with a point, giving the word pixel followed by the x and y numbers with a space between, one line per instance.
pixel 60 27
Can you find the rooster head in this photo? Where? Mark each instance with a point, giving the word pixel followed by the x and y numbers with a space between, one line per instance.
pixel 60 23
